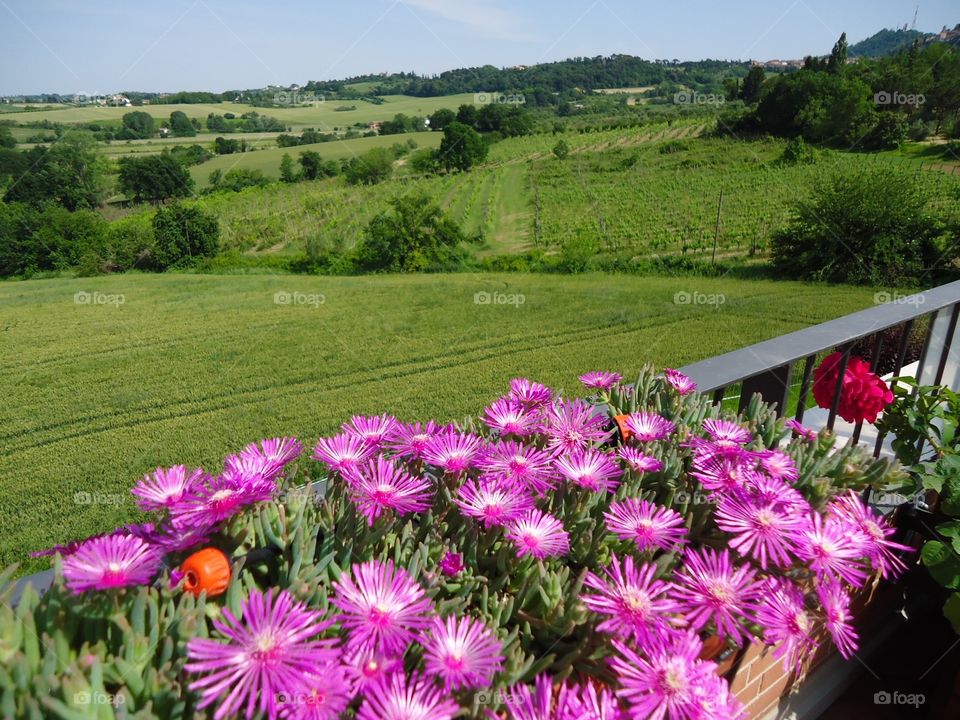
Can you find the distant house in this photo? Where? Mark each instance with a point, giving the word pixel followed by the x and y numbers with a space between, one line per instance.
pixel 164 132
pixel 374 125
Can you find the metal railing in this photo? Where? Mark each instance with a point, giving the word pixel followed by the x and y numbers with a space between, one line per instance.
pixel 768 368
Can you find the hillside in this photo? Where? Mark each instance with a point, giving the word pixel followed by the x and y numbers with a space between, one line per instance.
pixel 886 42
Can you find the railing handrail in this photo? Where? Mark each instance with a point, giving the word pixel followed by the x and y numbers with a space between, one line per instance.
pixel 732 367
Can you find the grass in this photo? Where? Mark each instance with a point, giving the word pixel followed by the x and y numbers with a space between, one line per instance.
pixel 191 367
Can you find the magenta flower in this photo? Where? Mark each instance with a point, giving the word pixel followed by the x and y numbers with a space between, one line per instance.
pixel 453 452
pixel 373 431
pixel 679 382
pixel 831 550
pixel 782 614
pixel 647 427
pixel 708 588
pixel 779 465
pixel 451 564
pixel 410 440
pixel 590 469
pixel 220 499
pixel 722 473
pixel 380 485
pixel 111 561
pixel 270 650
pixel 836 613
pixel 573 425
pixel 647 524
pixel 342 453
pixel 586 702
pixel 170 537
pixel 462 653
pixel 726 432
pixel 801 431
pixel 635 603
pixel 383 607
pixel 511 417
pixel 667 680
pixel 521 465
pixel 323 697
pixel 398 697
pixel 600 380
pixel 366 668
pixel 167 487
pixel 252 469
pixel 493 503
pixel 539 535
pixel 282 450
pixel 761 529
pixel 525 704
pixel 765 489
pixel 873 531
pixel 638 461
pixel 529 393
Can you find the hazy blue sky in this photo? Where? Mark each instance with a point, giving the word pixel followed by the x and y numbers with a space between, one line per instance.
pixel 98 46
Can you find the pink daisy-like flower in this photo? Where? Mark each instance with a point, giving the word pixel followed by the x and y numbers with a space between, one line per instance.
pixel 251 468
pixel 537 704
pixel 366 668
pixel 323 697
pixel 835 603
pixel 573 425
pixel 410 440
pixel 590 469
pixel 724 431
pixel 451 564
pixel 760 529
pixel 830 550
pixel 521 465
pixel 282 450
pixel 167 487
pixel 342 453
pixel 647 524
pixel 382 607
pixel 801 430
pixel 765 489
pixel 782 614
pixel 720 473
pixel 873 531
pixel 111 561
pixel 401 698
pixel 462 653
pixel 679 382
pixel 529 393
pixel 600 380
pixel 220 499
pixel 269 650
pixel 494 503
pixel 511 417
pixel 538 534
pixel 709 588
pixel 635 603
pixel 380 485
pixel 372 430
pixel 586 702
pixel 638 461
pixel 453 452
pixel 647 427
pixel 667 680
pixel 779 465
pixel 171 538
pixel 716 702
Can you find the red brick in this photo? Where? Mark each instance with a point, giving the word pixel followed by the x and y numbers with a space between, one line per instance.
pixel 776 685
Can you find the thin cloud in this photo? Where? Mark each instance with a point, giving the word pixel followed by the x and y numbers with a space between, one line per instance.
pixel 482 17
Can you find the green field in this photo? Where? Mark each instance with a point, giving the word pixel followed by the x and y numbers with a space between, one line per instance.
pixel 191 367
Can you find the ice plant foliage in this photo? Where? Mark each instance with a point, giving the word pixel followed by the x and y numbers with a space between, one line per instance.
pixel 407 570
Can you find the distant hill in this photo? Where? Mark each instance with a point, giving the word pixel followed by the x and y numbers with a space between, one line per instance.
pixel 886 42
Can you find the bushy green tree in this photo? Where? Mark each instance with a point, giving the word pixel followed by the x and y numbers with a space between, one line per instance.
pixel 180 124
pixel 138 125
pixel 7 140
pixel 462 147
pixel 373 166
pixel 47 238
pixel 72 172
pixel 561 150
pixel 183 233
pixel 154 178
pixel 239 178
pixel 441 118
pixel 287 172
pixel 752 84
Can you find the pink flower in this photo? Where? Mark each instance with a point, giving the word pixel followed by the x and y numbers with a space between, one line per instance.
pixel 383 608
pixel 779 465
pixel 511 417
pixel 724 431
pixel 782 614
pixel 373 431
pixel 493 503
pixel 218 500
pixel 398 697
pixel 529 393
pixel 463 653
pixel 586 702
pixel 638 461
pixel 323 697
pixel 167 487
pixel 453 452
pixel 111 561
pixel 762 530
pixel 380 485
pixel 801 431
pixel 539 535
pixel 647 427
pixel 722 474
pixel 573 425
pixel 647 524
pixel 520 465
pixel 410 440
pixel 342 453
pixel 451 564
pixel 679 382
pixel 590 469
pixel 831 551
pixel 873 531
pixel 599 380
pixel 536 705
pixel 280 450
pixel 366 668
pixel 635 603
pixel 836 616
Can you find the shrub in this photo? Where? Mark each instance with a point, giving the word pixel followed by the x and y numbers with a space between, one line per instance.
pixel 370 168
pixel 51 238
pixel 130 243
pixel 237 179
pixel 183 232
pixel 869 225
pixel 797 152
pixel 561 150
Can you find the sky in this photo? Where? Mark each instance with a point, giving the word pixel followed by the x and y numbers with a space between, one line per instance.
pixel 99 46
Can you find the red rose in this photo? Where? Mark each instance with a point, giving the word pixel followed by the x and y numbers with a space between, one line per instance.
pixel 863 394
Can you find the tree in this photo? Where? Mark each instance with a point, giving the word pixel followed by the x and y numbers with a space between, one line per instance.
pixel 370 168
pixel 750 91
pixel 72 172
pixel 311 163
pixel 441 118
pixel 462 147
pixel 237 179
pixel 180 124
pixel 154 178
pixel 138 125
pixel 416 235
pixel 182 233
pixel 561 150
pixel 7 140
pixel 287 173
pixel 225 146
pixel 838 56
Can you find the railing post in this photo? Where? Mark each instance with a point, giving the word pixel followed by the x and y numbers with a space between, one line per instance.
pixel 773 386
